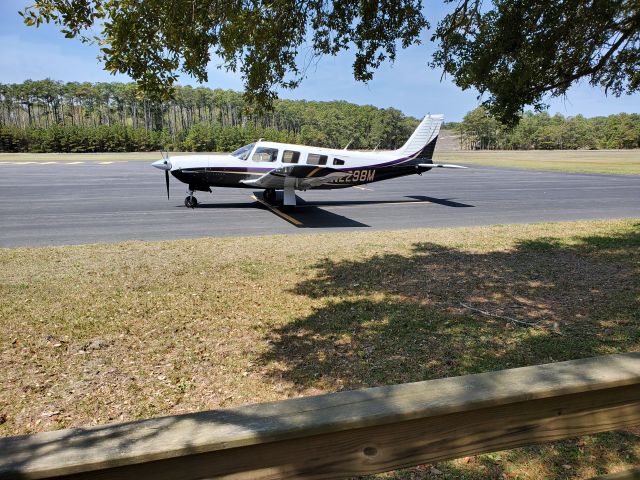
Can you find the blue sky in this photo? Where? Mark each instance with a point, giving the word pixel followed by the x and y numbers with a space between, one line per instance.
pixel 408 84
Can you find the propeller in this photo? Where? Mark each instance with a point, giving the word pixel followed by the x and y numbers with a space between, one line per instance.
pixel 164 164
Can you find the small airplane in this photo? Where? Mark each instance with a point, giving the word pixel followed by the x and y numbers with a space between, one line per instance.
pixel 281 166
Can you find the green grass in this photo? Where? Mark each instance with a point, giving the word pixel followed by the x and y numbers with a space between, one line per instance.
pixel 622 162
pixel 86 157
pixel 117 332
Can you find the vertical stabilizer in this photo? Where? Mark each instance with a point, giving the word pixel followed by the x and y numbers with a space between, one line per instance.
pixel 423 140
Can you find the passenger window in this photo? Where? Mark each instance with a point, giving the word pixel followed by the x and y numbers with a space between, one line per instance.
pixel 315 159
pixel 265 154
pixel 289 156
pixel 338 161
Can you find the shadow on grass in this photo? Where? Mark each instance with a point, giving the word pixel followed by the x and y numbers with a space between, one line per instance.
pixel 397 318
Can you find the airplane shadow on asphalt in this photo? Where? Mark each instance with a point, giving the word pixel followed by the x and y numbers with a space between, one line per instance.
pixel 304 216
pixel 225 206
pixel 413 199
pixel 312 215
pixel 441 201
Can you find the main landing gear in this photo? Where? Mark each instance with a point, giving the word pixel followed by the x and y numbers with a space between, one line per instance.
pixel 288 198
pixel 191 201
pixel 270 195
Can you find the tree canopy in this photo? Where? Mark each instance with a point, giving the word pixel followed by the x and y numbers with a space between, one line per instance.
pixel 514 52
pixel 47 115
pixel 150 40
pixel 519 51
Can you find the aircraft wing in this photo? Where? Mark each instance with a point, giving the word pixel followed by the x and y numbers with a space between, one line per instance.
pixel 300 176
pixel 439 165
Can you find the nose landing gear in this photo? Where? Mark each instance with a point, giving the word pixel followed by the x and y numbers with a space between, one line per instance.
pixel 191 201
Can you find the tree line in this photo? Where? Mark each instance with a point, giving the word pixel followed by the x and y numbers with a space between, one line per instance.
pixel 51 116
pixel 481 131
pixel 48 115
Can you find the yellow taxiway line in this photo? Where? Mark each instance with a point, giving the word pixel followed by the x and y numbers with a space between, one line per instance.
pixel 277 211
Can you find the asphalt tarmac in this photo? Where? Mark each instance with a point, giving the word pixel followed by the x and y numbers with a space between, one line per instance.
pixel 91 202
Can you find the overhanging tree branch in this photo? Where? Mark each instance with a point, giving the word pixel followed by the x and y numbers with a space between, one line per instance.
pixel 514 52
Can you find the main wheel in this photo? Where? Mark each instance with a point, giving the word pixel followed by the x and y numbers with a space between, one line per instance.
pixel 270 195
pixel 190 202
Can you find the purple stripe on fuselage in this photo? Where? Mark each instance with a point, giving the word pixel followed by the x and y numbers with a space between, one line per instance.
pixel 240 169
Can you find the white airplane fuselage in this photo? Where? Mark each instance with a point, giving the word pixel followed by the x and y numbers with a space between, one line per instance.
pixel 229 171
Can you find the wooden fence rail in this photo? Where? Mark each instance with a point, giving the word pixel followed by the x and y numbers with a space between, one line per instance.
pixel 633 474
pixel 347 433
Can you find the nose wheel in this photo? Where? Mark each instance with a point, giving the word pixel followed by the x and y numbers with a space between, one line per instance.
pixel 191 201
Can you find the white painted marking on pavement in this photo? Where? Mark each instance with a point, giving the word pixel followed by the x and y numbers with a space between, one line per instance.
pixel 408 203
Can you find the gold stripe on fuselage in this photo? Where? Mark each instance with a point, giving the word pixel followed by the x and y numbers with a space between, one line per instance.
pixel 314 171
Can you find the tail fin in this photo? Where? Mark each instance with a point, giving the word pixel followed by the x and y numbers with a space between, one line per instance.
pixel 422 142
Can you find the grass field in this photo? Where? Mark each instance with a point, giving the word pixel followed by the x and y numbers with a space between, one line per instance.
pixel 625 162
pixel 100 333
pixel 86 157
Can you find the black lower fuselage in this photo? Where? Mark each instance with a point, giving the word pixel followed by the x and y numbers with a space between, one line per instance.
pixel 231 177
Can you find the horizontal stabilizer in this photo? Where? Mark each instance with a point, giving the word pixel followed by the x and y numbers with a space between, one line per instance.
pixel 439 165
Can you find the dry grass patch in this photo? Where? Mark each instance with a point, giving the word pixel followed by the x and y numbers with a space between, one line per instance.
pixel 118 332
pixel 623 162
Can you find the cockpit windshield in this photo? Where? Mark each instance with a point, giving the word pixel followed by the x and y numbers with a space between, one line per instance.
pixel 243 152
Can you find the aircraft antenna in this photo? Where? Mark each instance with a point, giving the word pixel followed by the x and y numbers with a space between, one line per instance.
pixel 350 142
